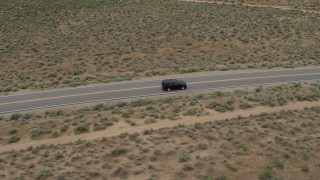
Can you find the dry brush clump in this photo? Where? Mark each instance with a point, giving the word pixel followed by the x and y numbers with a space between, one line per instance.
pixel 281 145
pixel 140 112
pixel 91 41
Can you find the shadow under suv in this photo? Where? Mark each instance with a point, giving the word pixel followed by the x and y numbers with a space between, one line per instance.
pixel 173 84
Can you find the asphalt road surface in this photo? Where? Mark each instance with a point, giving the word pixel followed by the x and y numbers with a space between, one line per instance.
pixel 151 87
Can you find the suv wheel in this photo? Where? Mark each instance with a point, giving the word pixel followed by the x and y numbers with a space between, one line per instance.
pixel 182 88
pixel 168 89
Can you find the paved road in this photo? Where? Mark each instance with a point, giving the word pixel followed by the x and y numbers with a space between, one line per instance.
pixel 122 90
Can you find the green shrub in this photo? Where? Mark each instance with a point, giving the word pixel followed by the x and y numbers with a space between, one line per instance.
pixel 123 135
pixel 221 177
pixel 58 155
pixel 42 174
pixel 190 112
pixel 203 146
pixel 266 175
pixel 222 107
pixel 152 73
pixel 21 117
pixel 184 157
pixel 276 162
pixel 55 113
pixel 134 137
pixel 167 100
pixel 305 168
pixel 245 105
pixel 13 138
pixel 98 107
pixel 137 172
pixel 187 167
pixel 268 101
pixel 132 123
pixel 190 69
pixel 140 102
pixel 106 166
pixel 117 170
pixel 15 116
pixel 230 166
pixel 217 94
pixel 64 128
pixel 118 151
pixel 13 131
pixel 149 121
pixel 282 101
pixel 98 127
pixel 81 128
pixel 36 132
pixel 147 131
pixel 126 114
pixel 102 124
pixel 259 89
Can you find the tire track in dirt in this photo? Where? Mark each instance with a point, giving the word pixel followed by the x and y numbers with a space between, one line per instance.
pixel 290 8
pixel 122 128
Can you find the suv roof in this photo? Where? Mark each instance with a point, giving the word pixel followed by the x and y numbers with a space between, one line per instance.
pixel 173 80
pixel 170 80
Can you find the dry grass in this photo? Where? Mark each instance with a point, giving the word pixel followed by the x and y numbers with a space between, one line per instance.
pixel 48 44
pixel 270 145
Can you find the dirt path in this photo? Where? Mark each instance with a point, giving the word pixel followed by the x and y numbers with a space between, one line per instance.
pixel 253 5
pixel 122 128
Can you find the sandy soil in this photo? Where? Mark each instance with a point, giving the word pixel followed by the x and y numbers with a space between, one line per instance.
pixel 122 128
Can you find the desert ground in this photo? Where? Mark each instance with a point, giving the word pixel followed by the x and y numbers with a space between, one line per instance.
pixel 277 145
pixel 268 132
pixel 54 44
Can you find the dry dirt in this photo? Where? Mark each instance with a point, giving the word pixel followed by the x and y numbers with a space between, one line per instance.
pixel 123 127
pixel 275 145
pixel 91 42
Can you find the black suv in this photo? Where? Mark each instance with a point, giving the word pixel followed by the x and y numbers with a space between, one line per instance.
pixel 173 84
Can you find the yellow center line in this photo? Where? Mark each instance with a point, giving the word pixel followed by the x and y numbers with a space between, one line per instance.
pixel 149 87
pixel 262 77
pixel 99 92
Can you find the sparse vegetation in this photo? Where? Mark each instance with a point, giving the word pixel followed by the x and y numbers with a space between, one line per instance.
pixel 100 41
pixel 170 153
pixel 91 41
pixel 118 151
pixel 13 138
pixel 36 132
pixel 80 128
pixel 305 168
